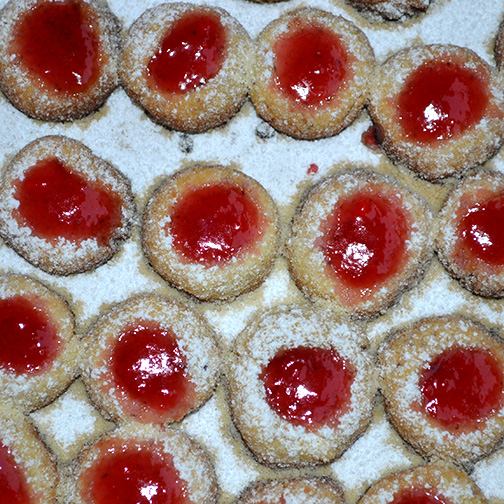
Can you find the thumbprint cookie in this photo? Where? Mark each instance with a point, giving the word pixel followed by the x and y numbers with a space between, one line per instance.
pixel 302 490
pixel 188 66
pixel 470 239
pixel 438 109
pixel 28 473
pixel 62 208
pixel 443 383
pixel 144 464
pixel 438 483
pixel 211 231
pixel 311 74
pixel 150 359
pixel 58 59
pixel 38 348
pixel 301 389
pixel 390 10
pixel 359 239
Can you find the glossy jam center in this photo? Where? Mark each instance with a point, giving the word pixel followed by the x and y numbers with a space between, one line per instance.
pixel 191 53
pixel 136 475
pixel 461 386
pixel 481 231
pixel 441 100
pixel 419 496
pixel 364 240
pixel 28 337
pixel 150 367
pixel 13 486
pixel 55 202
pixel 308 386
pixel 311 64
pixel 214 223
pixel 57 44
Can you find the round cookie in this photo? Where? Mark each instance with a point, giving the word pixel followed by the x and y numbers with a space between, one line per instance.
pixel 150 359
pixel 358 240
pixel 62 208
pixel 188 66
pixel 211 231
pixel 470 237
pixel 301 389
pixel 438 109
pixel 390 10
pixel 312 72
pixel 58 60
pixel 443 382
pixel 38 347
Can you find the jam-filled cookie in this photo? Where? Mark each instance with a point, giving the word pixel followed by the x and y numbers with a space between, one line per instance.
pixel 302 490
pixel 58 59
pixel 62 208
pixel 301 389
pixel 499 46
pixel 359 239
pixel 391 10
pixel 144 464
pixel 443 383
pixel 470 240
pixel 311 74
pixel 438 109
pixel 38 348
pixel 438 483
pixel 150 359
pixel 28 473
pixel 211 231
pixel 189 66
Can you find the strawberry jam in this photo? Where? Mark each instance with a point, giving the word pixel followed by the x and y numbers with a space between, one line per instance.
pixel 419 496
pixel 308 386
pixel 481 233
pixel 56 202
pixel 462 386
pixel 13 485
pixel 311 64
pixel 135 475
pixel 441 100
pixel 364 240
pixel 214 223
pixel 149 367
pixel 28 337
pixel 57 44
pixel 191 53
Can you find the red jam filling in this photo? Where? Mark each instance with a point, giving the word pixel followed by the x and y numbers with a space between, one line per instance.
pixel 441 100
pixel 56 202
pixel 13 485
pixel 28 337
pixel 311 64
pixel 212 224
pixel 481 232
pixel 419 496
pixel 191 53
pixel 308 386
pixel 462 386
pixel 56 42
pixel 364 240
pixel 135 475
pixel 150 368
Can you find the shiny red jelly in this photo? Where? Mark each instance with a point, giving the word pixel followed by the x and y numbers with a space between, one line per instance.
pixel 419 496
pixel 481 231
pixel 364 240
pixel 149 367
pixel 57 44
pixel 28 337
pixel 311 64
pixel 441 100
pixel 462 386
pixel 191 53
pixel 308 386
pixel 135 475
pixel 13 485
pixel 212 224
pixel 56 202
